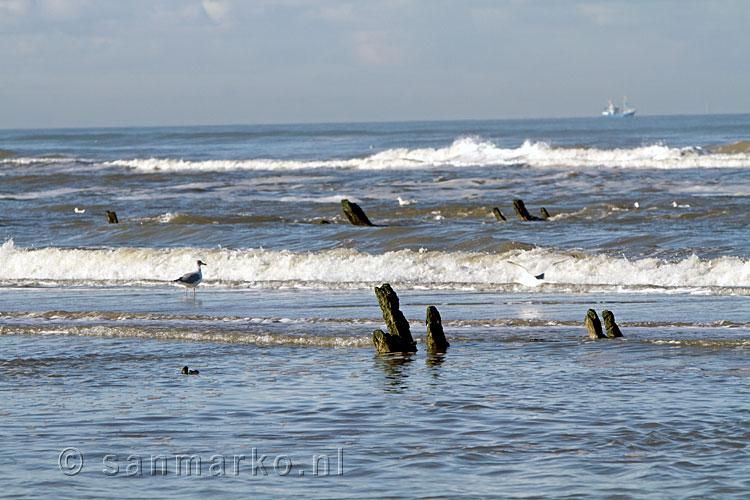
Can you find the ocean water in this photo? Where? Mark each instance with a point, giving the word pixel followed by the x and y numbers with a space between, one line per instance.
pixel 649 219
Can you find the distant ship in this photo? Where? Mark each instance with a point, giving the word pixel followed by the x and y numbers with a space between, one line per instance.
pixel 613 111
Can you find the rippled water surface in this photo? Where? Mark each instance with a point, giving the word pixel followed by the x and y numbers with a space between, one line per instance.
pixel 648 219
pixel 521 403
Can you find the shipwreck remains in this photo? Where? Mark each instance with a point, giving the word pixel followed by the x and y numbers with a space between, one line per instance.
pixel 498 214
pixel 435 335
pixel 355 214
pixel 613 331
pixel 593 325
pixel 524 215
pixel 398 338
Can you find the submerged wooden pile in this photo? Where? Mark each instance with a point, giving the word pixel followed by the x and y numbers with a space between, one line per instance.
pixel 521 212
pixel 524 215
pixel 436 341
pixel 355 214
pixel 398 338
pixel 498 214
pixel 594 326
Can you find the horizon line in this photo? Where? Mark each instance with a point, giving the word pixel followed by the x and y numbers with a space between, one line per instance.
pixel 353 122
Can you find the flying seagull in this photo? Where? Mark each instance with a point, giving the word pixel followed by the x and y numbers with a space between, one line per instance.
pixel 530 279
pixel 191 280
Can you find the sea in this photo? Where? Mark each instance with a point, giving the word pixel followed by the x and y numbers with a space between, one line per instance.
pixel 648 217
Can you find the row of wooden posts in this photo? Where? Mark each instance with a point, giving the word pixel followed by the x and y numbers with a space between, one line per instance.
pixel 357 216
pixel 398 338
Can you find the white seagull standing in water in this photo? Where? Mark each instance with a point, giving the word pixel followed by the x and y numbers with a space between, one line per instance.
pixel 191 280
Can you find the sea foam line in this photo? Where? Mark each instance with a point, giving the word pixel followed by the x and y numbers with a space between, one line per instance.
pixel 347 267
pixel 471 152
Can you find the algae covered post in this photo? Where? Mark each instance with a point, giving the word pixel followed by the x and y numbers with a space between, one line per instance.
pixel 398 338
pixel 355 214
pixel 498 214
pixel 436 341
pixel 613 331
pixel 593 325
pixel 523 214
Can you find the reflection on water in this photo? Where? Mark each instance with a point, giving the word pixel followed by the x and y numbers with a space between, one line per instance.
pixel 434 360
pixel 528 412
pixel 395 368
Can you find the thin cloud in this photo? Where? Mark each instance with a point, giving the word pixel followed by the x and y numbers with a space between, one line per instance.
pixel 63 10
pixel 604 15
pixel 13 8
pixel 376 48
pixel 217 10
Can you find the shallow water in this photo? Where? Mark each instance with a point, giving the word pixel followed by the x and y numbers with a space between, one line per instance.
pixel 512 419
pixel 648 220
pixel 519 404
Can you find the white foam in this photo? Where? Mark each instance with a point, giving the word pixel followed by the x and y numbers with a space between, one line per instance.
pixel 47 193
pixel 344 268
pixel 472 151
pixel 336 198
pixel 30 160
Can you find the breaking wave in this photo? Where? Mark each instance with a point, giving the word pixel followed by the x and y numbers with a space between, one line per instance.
pixel 347 268
pixel 472 152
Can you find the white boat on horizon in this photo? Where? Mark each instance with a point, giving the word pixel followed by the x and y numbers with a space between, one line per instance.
pixel 618 112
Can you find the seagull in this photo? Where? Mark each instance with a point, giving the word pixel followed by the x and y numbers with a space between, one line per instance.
pixel 79 210
pixel 191 280
pixel 402 202
pixel 530 279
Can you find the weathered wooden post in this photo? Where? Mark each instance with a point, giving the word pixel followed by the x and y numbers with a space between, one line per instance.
pixel 613 331
pixel 398 338
pixel 498 214
pixel 112 217
pixel 435 335
pixel 522 213
pixel 593 325
pixel 355 214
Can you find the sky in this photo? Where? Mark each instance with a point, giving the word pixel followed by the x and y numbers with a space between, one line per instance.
pixel 85 63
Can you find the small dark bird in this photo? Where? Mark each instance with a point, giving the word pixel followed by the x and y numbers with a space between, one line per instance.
pixel 186 371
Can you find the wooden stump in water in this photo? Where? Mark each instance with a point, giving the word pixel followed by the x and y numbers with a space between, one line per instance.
pixel 355 214
pixel 613 331
pixel 498 214
pixel 398 338
pixel 385 342
pixel 593 325
pixel 522 213
pixel 435 336
pixel 112 217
